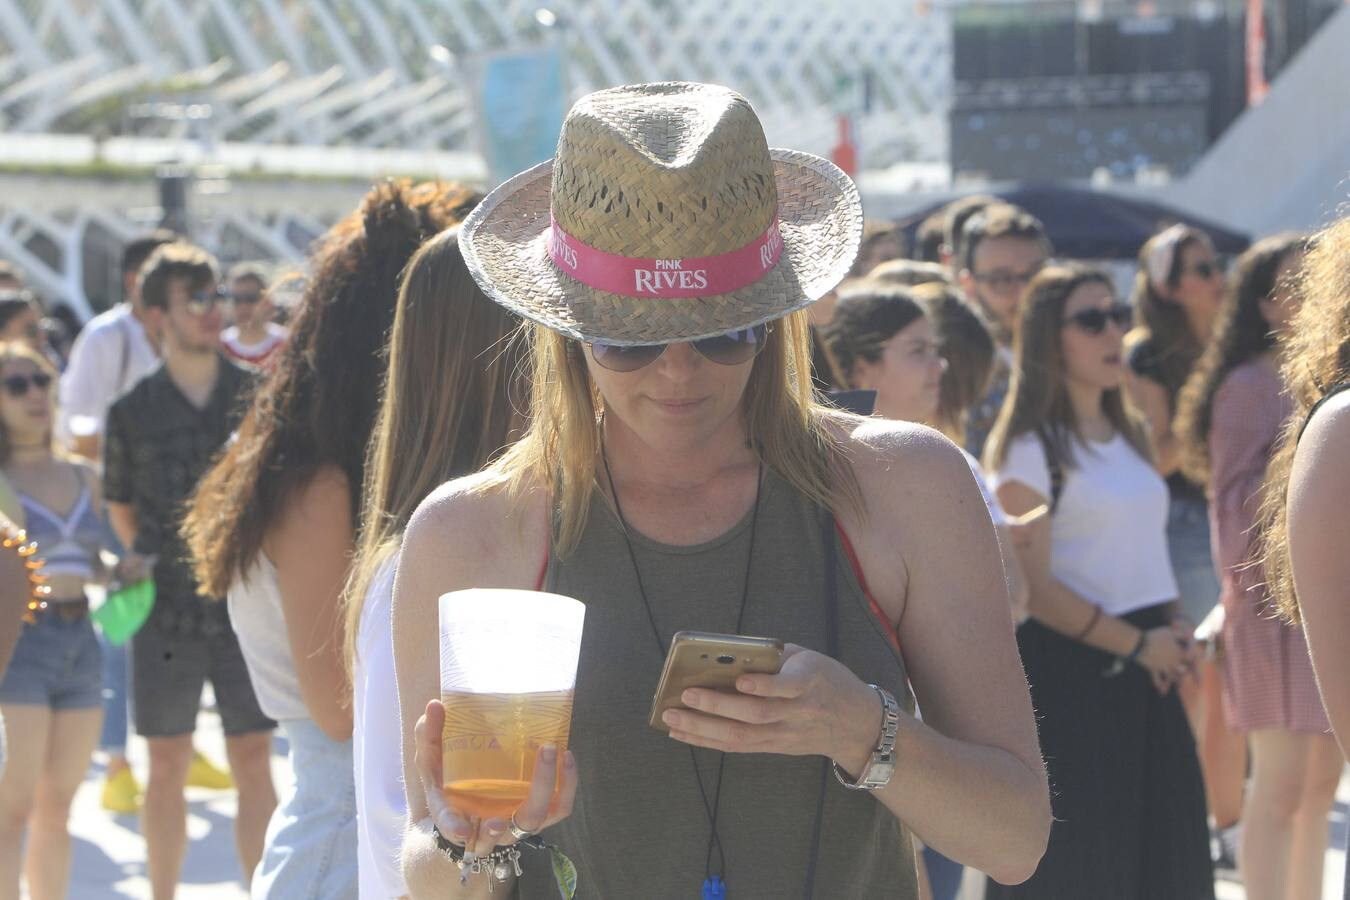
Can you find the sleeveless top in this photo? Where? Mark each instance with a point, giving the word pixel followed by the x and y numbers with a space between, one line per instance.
pixel 69 544
pixel 1307 420
pixel 260 624
pixel 639 827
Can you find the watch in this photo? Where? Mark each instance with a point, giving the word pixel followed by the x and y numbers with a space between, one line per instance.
pixel 881 766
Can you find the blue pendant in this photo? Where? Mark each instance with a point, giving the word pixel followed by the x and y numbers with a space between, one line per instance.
pixel 714 888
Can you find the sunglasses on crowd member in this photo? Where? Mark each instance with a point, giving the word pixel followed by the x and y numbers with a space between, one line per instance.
pixel 201 302
pixel 245 298
pixel 17 385
pixel 1205 270
pixel 1094 321
pixel 730 349
pixel 1002 281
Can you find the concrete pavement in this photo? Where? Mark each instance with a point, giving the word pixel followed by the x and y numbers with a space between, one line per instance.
pixel 109 854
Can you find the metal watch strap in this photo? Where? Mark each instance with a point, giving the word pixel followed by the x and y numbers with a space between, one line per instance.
pixel 877 773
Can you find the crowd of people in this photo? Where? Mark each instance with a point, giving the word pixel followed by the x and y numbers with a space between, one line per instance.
pixel 1043 592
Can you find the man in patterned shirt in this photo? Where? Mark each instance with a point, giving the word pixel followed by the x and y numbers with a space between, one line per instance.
pixel 161 437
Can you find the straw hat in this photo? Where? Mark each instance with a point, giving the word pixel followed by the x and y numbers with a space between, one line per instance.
pixel 659 193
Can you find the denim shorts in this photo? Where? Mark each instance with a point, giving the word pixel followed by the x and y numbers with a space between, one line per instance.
pixel 57 664
pixel 1188 543
pixel 310 852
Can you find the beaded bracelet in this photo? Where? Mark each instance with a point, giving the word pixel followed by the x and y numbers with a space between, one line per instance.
pixel 497 865
pixel 16 539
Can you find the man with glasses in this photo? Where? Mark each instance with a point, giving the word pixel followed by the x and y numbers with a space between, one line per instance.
pixel 161 436
pixel 1002 249
pixel 254 338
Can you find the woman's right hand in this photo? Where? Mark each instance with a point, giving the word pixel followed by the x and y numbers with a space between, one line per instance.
pixel 1164 657
pixel 480 837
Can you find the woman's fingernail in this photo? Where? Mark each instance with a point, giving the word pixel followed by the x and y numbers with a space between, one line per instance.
pixel 670 717
pixel 746 685
pixel 569 761
pixel 548 753
pixel 690 697
pixel 495 827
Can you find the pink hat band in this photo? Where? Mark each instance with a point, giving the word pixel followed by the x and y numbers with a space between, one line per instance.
pixel 668 279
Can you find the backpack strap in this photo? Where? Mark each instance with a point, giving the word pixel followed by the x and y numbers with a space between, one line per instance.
pixel 1052 462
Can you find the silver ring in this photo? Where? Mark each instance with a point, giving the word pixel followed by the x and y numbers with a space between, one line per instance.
pixel 517 832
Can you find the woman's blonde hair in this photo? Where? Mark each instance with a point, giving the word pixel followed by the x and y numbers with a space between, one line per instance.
pixel 1038 400
pixel 12 350
pixel 1316 358
pixel 790 432
pixel 454 396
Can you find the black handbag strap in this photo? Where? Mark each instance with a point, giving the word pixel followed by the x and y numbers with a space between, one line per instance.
pixel 1055 466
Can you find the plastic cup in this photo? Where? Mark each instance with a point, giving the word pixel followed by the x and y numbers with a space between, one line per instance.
pixel 508 671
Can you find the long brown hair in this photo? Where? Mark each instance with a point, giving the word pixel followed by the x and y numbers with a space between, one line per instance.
pixel 794 436
pixel 317 407
pixel 1316 359
pixel 1241 334
pixel 1038 399
pixel 12 350
pixel 1160 320
pixel 966 342
pixel 457 387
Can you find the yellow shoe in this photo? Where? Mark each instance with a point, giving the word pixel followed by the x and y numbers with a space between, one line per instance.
pixel 204 774
pixel 121 793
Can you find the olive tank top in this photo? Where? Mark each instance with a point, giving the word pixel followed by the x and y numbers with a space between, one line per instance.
pixel 639 827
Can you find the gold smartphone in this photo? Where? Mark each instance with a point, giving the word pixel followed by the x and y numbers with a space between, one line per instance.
pixel 700 659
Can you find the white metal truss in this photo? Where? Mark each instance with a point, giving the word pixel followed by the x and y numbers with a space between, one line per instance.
pixel 304 71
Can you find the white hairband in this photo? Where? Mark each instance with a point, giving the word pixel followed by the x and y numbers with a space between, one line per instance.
pixel 1163 255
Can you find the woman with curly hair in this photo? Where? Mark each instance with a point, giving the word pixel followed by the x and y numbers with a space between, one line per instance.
pixel 273 523
pixel 1308 486
pixel 1230 414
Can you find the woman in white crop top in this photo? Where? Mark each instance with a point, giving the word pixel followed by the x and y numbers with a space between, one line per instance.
pixel 1102 650
pixel 449 407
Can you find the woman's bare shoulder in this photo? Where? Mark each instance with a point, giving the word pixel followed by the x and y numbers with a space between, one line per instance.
pixel 890 455
pixel 479 529
pixel 1322 446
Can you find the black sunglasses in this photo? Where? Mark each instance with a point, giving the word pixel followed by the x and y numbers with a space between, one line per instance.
pixel 17 385
pixel 1094 321
pixel 245 299
pixel 199 303
pixel 730 349
pixel 1205 270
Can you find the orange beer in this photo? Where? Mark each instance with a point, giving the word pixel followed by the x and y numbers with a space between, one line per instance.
pixel 490 743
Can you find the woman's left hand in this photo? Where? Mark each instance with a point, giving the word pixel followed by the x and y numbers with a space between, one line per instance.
pixel 813 706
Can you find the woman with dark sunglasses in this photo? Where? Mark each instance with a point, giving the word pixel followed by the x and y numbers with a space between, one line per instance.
pixel 1102 649
pixel 1231 413
pixel 1178 290
pixel 51 697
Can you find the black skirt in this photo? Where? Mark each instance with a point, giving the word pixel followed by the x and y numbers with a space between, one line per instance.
pixel 1125 786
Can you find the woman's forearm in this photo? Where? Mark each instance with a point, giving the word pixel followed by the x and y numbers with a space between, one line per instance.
pixel 1059 608
pixel 978 805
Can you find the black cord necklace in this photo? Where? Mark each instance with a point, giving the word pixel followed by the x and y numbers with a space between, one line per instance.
pixel 714 887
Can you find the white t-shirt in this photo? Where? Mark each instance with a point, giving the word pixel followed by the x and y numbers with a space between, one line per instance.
pixel 1108 535
pixel 253 354
pixel 111 354
pixel 995 508
pixel 377 746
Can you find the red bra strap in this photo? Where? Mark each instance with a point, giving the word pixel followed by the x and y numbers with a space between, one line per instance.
pixel 892 633
pixel 543 573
